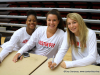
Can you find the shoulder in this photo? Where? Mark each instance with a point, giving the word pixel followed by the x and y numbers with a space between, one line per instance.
pixel 91 32
pixel 20 31
pixel 59 31
pixel 41 28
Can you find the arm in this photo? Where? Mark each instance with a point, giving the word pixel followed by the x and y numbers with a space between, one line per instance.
pixel 10 45
pixel 90 58
pixel 62 51
pixel 29 45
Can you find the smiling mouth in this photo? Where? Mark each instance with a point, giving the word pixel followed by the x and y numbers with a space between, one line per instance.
pixel 52 25
pixel 73 29
pixel 32 25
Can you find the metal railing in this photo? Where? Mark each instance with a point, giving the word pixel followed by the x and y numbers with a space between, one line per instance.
pixel 48 9
pixel 44 18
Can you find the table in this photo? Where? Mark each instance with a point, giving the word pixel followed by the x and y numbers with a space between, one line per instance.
pixel 22 67
pixel 87 70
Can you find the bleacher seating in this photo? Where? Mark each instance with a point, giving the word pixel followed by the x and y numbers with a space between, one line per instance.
pixel 63 4
pixel 81 5
pixel 13 12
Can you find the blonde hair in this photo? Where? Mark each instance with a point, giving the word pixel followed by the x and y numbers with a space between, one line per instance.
pixel 82 31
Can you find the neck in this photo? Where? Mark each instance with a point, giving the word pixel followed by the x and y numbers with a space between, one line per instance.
pixel 51 31
pixel 76 34
pixel 29 31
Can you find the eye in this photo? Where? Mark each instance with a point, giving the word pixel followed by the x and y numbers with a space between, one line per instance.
pixel 74 22
pixel 49 20
pixel 68 23
pixel 54 20
pixel 29 20
pixel 34 20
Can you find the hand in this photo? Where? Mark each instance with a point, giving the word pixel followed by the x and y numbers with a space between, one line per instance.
pixel 51 65
pixel 63 65
pixel 15 59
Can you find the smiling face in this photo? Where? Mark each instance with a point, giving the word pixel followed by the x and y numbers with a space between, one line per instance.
pixel 73 26
pixel 31 22
pixel 52 21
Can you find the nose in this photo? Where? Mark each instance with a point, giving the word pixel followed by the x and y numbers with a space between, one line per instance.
pixel 32 21
pixel 51 22
pixel 71 25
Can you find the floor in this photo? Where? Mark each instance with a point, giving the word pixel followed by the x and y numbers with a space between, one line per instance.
pixel 66 57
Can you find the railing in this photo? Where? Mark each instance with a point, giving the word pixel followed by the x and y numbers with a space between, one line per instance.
pixel 48 9
pixel 44 18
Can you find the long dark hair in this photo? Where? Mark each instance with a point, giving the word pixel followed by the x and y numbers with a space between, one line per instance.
pixel 57 13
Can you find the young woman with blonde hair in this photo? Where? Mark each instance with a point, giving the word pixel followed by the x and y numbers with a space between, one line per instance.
pixel 82 41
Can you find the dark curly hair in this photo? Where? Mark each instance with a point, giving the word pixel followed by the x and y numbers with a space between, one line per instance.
pixel 31 12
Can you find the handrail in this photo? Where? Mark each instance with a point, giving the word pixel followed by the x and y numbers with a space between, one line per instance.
pixel 98 41
pixel 23 25
pixel 13 24
pixel 97 32
pixel 8 31
pixel 44 18
pixel 48 9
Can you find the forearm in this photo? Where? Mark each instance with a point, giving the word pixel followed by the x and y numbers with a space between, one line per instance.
pixel 62 51
pixel 5 52
pixel 24 49
pixel 29 45
pixel 59 56
pixel 81 62
pixel 8 46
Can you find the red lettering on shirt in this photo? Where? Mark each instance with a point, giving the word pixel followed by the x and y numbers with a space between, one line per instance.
pixel 77 43
pixel 39 42
pixel 42 43
pixel 46 44
pixel 24 41
pixel 49 44
pixel 53 45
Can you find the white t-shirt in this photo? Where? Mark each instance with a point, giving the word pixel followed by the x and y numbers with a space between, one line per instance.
pixel 44 46
pixel 79 58
pixel 18 39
